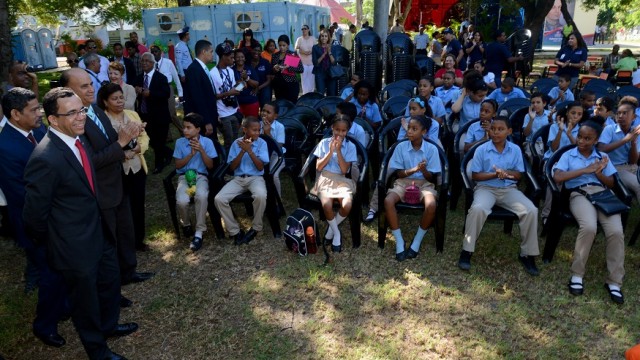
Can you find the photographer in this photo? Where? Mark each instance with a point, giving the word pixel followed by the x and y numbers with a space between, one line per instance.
pixel 224 83
pixel 21 75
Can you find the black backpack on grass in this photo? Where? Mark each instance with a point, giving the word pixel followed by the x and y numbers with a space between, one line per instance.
pixel 300 232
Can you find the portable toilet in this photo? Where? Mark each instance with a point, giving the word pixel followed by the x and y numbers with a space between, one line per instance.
pixel 28 39
pixel 47 48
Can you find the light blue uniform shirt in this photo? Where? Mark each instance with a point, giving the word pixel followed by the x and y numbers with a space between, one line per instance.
pixel 182 150
pixel 436 105
pixel 486 156
pixel 183 57
pixel 612 134
pixel 247 167
pixel 501 97
pixel 538 122
pixel 470 111
pixel 555 92
pixel 564 139
pixel 433 133
pixel 357 132
pixel 609 121
pixel 448 96
pixel 475 132
pixel 346 92
pixel 277 133
pixel 573 160
pixel 349 154
pixel 371 111
pixel 406 157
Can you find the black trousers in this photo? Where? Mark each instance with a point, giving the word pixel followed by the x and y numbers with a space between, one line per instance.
pixel 135 185
pixel 94 296
pixel 52 293
pixel 118 230
pixel 157 131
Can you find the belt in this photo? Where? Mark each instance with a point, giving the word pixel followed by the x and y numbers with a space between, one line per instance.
pixel 245 176
pixel 587 185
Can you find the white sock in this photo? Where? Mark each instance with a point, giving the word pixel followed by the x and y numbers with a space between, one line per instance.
pixel 399 240
pixel 614 287
pixel 339 218
pixel 198 234
pixel 333 225
pixel 417 240
pixel 576 279
pixel 329 234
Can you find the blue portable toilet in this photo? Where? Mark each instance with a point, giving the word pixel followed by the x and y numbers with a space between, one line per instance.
pixel 219 22
pixel 46 45
pixel 31 54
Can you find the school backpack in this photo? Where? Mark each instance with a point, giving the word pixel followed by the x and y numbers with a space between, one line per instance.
pixel 300 232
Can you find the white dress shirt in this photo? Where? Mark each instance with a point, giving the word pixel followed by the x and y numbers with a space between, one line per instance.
pixel 166 68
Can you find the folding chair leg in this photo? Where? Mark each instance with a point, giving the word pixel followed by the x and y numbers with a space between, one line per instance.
pixel 355 218
pixel 216 220
pixel 508 226
pixel 634 236
pixel 171 202
pixel 382 228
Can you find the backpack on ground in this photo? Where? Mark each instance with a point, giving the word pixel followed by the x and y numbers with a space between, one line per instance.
pixel 300 232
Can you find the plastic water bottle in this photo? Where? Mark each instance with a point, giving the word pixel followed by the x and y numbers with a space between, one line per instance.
pixel 310 238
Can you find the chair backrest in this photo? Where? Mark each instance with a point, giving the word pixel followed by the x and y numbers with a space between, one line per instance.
pixel 442 179
pixel 309 99
pixel 394 107
pixel 307 115
pixel 551 70
pixel 604 75
pixel 541 135
pixel 543 85
pixel 517 121
pixel 388 135
pixel 284 106
pixel 368 128
pixel 274 149
pixel 296 137
pixel 458 140
pixel 524 91
pixel 395 89
pixel 595 84
pixel 629 90
pixel 512 105
pixel 327 106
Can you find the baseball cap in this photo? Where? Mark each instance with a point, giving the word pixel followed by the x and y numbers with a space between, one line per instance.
pixel 447 31
pixel 223 49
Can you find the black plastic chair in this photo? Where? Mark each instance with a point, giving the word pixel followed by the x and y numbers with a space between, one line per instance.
pixel 629 90
pixel 298 145
pixel 537 161
pixel 309 99
pixel 308 116
pixel 497 213
pixel 636 230
pixel 385 181
pixel 327 110
pixel 455 157
pixel 284 105
pixel 517 121
pixel 394 107
pixel 369 130
pixel 274 203
pixel 395 89
pixel 510 106
pixel 560 214
pixel 426 66
pixel 601 88
pixel 543 85
pixel 306 180
pixel 170 185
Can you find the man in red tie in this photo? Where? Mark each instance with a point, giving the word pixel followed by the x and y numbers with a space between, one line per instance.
pixel 62 211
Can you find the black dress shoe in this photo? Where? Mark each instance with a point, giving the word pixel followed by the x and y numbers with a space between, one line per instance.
pixel 251 234
pixel 114 356
pixel 410 254
pixel 124 329
pixel 124 302
pixel 401 256
pixel 237 238
pixel 143 248
pixel 529 264
pixel 53 339
pixel 187 231
pixel 138 277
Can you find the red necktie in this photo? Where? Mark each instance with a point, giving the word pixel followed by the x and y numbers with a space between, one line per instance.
pixel 85 164
pixel 32 139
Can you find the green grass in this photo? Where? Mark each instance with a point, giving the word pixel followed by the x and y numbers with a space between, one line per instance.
pixel 262 302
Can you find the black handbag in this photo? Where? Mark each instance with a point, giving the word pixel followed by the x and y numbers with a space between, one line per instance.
pixel 336 71
pixel 605 201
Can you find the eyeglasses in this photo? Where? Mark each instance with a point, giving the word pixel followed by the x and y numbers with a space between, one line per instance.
pixel 74 113
pixel 92 47
pixel 155 51
pixel 73 61
pixel 305 28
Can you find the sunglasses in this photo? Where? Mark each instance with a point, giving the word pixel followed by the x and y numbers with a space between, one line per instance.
pixel 74 61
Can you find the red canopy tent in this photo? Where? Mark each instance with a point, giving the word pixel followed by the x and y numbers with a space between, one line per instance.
pixel 337 11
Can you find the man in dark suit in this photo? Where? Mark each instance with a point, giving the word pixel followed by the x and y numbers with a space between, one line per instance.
pixel 199 95
pixel 107 156
pixel 62 211
pixel 153 92
pixel 129 69
pixel 20 136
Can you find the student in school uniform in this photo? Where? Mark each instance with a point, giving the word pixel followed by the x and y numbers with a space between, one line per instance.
pixel 479 131
pixel 336 155
pixel 273 128
pixel 356 131
pixel 365 102
pixel 347 92
pixel 247 158
pixel 561 93
pixel 588 170
pixel 193 152
pixel 506 92
pixel 604 108
pixel 534 120
pixel 588 101
pixel 620 142
pixel 496 167
pixel 448 92
pixel 425 88
pixel 468 103
pixel 415 162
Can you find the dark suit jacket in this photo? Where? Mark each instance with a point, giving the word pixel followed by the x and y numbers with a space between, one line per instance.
pixel 15 150
pixel 60 207
pixel 159 92
pixel 107 157
pixel 198 94
pixel 129 68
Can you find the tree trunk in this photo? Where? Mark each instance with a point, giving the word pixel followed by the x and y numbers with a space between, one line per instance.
pixel 569 19
pixel 392 13
pixel 405 13
pixel 5 42
pixel 359 13
pixel 184 2
pixel 534 14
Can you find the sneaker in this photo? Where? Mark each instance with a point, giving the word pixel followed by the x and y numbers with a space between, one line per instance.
pixel 196 244
pixel 370 216
pixel 465 260
pixel 529 264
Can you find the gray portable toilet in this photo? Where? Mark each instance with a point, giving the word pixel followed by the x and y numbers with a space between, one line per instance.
pixel 46 46
pixel 30 47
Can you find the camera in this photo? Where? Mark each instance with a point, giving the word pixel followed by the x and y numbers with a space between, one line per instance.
pixel 131 145
pixel 230 101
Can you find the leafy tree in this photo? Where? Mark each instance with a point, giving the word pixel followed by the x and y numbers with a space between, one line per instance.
pixel 621 12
